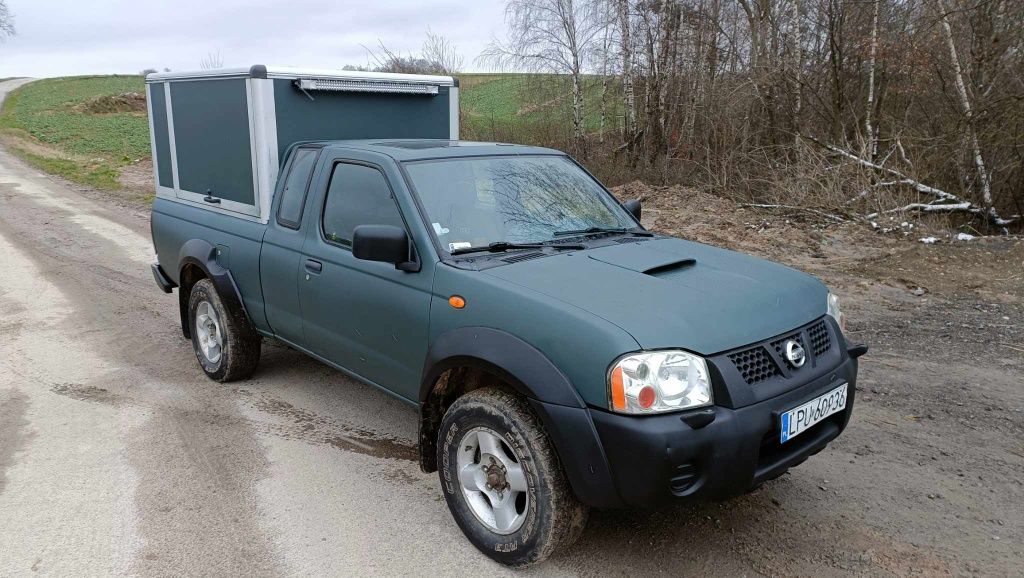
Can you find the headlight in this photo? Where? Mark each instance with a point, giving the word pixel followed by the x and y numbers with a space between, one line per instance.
pixel 835 312
pixel 658 381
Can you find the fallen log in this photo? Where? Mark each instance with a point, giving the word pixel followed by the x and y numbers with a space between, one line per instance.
pixel 955 203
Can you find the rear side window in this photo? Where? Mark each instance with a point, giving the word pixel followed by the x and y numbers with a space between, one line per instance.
pixel 358 195
pixel 293 196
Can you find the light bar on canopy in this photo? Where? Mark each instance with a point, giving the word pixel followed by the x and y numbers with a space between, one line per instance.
pixel 382 86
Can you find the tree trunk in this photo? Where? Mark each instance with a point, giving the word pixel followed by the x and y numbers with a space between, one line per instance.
pixel 604 83
pixel 577 107
pixel 604 106
pixel 869 130
pixel 984 182
pixel 798 73
pixel 627 69
pixel 835 30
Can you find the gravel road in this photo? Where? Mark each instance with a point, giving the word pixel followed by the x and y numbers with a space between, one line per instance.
pixel 117 456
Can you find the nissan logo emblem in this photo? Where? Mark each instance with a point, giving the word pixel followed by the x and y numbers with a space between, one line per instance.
pixel 795 353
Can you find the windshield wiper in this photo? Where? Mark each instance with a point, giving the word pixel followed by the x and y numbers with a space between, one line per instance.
pixel 500 246
pixel 599 230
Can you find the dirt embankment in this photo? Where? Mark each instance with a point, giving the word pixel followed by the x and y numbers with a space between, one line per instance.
pixel 850 253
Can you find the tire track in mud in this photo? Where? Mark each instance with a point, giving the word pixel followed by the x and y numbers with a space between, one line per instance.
pixel 308 426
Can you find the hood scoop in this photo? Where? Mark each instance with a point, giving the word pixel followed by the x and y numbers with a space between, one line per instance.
pixel 654 263
pixel 670 267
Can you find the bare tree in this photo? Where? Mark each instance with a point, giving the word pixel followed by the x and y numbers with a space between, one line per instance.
pixel 6 20
pixel 443 56
pixel 984 181
pixel 212 61
pixel 555 36
pixel 605 56
pixel 913 106
pixel 437 56
pixel 626 49
pixel 869 130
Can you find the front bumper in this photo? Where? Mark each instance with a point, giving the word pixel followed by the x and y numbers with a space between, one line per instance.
pixel 683 457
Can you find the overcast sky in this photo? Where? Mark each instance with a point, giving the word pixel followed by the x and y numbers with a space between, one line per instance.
pixel 70 37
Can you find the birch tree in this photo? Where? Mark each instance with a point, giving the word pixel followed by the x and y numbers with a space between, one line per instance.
pixel 557 36
pixel 968 111
pixel 869 130
pixel 626 48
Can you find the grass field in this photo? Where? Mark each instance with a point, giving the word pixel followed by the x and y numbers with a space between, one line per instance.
pixel 44 123
pixel 526 106
pixel 48 122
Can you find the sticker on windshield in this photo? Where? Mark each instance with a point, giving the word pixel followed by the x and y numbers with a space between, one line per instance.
pixel 439 229
pixel 458 245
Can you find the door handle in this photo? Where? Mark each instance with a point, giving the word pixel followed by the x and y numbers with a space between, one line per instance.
pixel 314 266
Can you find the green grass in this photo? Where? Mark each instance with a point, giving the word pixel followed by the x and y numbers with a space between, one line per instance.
pixel 98 175
pixel 46 110
pixel 524 104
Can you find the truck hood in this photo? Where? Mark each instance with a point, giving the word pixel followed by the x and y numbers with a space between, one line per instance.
pixel 676 293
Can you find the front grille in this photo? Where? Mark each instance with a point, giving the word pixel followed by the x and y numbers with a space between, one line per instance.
pixel 755 365
pixel 820 340
pixel 767 360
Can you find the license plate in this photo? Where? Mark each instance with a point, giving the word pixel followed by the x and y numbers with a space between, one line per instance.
pixel 799 419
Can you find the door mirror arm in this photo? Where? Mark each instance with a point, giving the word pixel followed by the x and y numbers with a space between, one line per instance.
pixel 408 266
pixel 633 206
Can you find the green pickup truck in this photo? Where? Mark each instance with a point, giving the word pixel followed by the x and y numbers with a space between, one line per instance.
pixel 560 356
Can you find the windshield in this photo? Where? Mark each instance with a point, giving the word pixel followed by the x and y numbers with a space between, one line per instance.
pixel 474 202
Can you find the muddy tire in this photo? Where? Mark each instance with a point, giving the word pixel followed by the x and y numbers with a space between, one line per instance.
pixel 226 345
pixel 503 481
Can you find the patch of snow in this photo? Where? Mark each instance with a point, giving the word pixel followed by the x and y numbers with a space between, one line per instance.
pixel 964 237
pixel 929 240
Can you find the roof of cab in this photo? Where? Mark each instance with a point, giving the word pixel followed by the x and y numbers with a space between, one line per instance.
pixel 422 149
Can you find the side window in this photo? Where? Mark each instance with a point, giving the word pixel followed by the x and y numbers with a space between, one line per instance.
pixel 293 196
pixel 357 195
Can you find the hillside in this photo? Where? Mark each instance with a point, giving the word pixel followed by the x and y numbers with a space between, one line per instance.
pixel 93 129
pixel 61 126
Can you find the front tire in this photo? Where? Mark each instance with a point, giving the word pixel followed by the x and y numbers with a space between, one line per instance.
pixel 502 479
pixel 225 344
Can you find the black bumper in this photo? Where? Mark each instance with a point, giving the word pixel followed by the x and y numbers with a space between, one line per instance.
pixel 656 459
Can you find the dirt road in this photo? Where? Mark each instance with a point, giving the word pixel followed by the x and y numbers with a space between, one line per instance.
pixel 118 456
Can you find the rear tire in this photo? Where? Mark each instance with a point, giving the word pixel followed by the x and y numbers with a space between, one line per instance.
pixel 502 479
pixel 226 345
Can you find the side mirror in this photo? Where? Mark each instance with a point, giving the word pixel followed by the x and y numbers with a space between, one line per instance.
pixel 633 207
pixel 384 243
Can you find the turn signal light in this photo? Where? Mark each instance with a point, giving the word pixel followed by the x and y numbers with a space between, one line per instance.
pixel 456 302
pixel 618 390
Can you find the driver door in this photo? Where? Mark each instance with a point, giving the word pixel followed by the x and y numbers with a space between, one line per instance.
pixel 367 317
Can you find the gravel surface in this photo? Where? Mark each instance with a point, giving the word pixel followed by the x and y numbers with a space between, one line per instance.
pixel 117 456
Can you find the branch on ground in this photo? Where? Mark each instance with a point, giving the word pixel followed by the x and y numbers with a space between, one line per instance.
pixel 950 202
